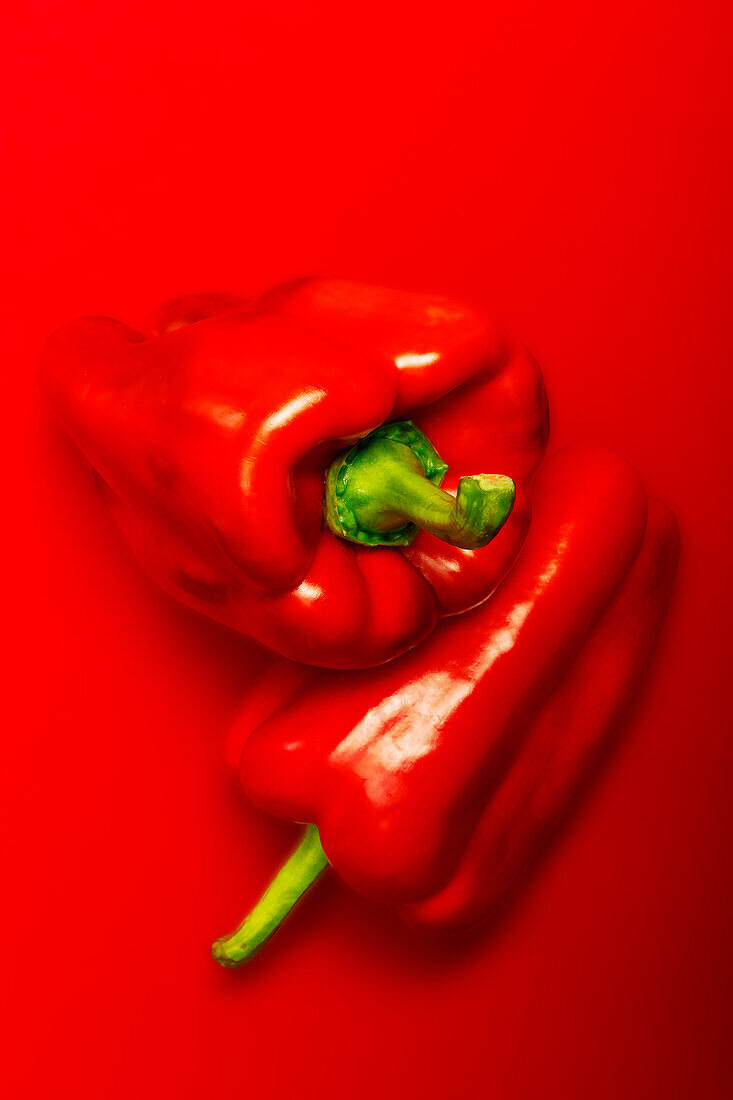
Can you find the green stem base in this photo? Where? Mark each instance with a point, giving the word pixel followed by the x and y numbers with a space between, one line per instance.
pixel 387 487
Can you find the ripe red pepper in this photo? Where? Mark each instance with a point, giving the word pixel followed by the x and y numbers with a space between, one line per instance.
pixel 212 441
pixel 435 780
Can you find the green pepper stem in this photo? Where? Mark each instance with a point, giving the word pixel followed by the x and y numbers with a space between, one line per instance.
pixel 301 870
pixel 387 487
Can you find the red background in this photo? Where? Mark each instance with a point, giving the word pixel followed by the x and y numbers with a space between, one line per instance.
pixel 565 164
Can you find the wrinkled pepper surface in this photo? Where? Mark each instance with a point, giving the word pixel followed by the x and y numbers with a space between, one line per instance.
pixel 433 782
pixel 216 443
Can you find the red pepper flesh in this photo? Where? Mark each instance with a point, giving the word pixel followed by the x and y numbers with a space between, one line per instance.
pixel 566 743
pixel 556 760
pixel 212 440
pixel 435 780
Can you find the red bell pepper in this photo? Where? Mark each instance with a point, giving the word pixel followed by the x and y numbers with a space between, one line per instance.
pixel 213 440
pixel 432 782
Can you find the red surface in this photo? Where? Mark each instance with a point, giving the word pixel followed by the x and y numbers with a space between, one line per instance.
pixel 567 166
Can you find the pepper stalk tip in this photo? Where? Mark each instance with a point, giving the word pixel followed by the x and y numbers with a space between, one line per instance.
pixel 298 873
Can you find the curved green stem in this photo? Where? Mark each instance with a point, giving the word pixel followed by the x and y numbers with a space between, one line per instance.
pixel 387 487
pixel 301 870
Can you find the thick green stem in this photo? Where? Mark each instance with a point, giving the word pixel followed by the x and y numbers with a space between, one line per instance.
pixel 387 487
pixel 304 866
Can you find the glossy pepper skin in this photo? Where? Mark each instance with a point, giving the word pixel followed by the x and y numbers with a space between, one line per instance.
pixel 435 780
pixel 565 745
pixel 212 440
